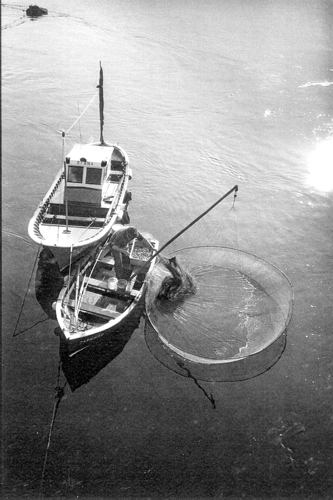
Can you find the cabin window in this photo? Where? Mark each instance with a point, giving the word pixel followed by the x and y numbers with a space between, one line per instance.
pixel 75 174
pixel 93 176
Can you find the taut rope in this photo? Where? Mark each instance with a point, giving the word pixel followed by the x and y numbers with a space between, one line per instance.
pixel 25 295
pixel 85 109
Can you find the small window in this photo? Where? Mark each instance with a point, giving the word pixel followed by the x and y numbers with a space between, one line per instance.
pixel 93 176
pixel 75 174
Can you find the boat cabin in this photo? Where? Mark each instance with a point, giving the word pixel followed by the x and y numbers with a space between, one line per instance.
pixel 87 169
pixel 93 175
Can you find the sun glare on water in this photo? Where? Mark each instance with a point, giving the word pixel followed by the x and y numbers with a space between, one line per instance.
pixel 320 166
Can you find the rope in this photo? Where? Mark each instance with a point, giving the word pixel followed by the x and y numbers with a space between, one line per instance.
pixel 79 238
pixel 244 241
pixel 59 393
pixel 32 326
pixel 235 196
pixel 70 128
pixel 78 109
pixel 26 293
pixel 189 374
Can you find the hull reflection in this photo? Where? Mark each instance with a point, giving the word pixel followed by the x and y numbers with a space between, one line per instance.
pixel 81 366
pixel 48 282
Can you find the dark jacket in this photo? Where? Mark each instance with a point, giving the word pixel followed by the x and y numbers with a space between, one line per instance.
pixel 122 237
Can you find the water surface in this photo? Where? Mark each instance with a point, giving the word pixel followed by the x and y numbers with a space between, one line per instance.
pixel 202 96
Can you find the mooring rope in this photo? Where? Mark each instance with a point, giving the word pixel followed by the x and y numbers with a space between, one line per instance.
pixel 59 393
pixel 26 293
pixel 189 374
pixel 32 326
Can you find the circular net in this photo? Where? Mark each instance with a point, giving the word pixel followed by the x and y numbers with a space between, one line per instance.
pixel 241 307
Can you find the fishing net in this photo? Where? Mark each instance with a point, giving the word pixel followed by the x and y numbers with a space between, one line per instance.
pixel 231 327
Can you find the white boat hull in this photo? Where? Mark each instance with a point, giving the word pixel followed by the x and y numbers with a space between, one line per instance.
pixel 88 224
pixel 94 320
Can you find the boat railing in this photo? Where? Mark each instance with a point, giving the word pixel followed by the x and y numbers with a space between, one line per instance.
pixel 44 205
pixel 36 224
pixel 46 201
pixel 116 199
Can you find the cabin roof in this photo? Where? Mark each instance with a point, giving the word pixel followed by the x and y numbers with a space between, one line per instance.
pixel 91 153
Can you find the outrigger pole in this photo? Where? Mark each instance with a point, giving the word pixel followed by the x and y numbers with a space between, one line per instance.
pixel 235 188
pixel 101 104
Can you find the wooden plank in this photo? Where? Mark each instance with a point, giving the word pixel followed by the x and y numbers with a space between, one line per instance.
pixel 89 308
pixel 102 285
pixel 97 283
pixel 109 261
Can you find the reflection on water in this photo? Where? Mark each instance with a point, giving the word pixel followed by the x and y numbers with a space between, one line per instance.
pixel 48 282
pixel 80 367
pixel 201 96
pixel 244 369
pixel 321 84
pixel 320 166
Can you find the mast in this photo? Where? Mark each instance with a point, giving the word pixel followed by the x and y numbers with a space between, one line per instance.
pixel 66 231
pixel 101 104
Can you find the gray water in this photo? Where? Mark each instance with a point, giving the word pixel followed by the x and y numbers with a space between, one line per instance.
pixel 201 95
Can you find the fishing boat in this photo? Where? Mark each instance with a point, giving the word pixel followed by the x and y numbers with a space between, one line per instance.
pixel 82 365
pixel 88 196
pixel 35 11
pixel 93 302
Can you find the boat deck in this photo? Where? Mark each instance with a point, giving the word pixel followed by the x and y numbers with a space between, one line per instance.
pixel 108 312
pixel 79 214
pixel 56 233
pixel 99 299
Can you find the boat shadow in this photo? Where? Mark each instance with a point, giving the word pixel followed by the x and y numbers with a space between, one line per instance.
pixel 80 366
pixel 48 282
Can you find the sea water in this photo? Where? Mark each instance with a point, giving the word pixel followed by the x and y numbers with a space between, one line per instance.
pixel 202 96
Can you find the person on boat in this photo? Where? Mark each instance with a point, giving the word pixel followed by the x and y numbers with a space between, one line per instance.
pixel 119 243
